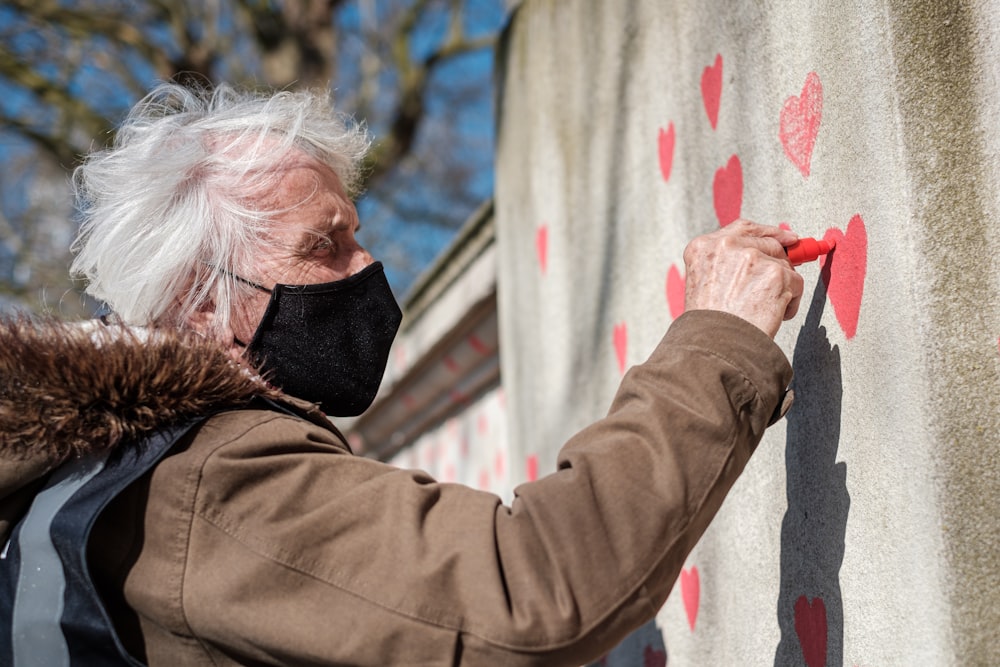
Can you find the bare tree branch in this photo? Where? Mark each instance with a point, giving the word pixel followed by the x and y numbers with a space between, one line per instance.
pixel 74 67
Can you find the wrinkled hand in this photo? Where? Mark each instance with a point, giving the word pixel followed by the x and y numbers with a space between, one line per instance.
pixel 742 269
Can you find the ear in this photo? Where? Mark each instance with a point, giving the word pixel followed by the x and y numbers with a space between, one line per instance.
pixel 202 320
pixel 204 323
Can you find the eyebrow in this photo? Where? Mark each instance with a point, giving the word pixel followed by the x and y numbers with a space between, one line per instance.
pixel 341 226
pixel 325 230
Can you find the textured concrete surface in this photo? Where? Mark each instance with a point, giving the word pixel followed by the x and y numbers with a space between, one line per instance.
pixel 865 529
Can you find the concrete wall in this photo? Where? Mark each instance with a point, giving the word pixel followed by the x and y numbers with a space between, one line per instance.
pixel 865 529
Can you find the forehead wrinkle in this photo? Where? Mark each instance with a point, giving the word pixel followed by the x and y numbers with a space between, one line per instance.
pixel 270 200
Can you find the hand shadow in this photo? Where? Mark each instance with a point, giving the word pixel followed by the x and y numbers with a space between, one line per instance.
pixel 815 523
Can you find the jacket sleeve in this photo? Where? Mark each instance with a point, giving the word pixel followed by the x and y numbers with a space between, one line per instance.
pixel 580 558
pixel 635 491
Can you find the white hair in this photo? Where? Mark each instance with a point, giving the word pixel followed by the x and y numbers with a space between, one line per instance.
pixel 166 222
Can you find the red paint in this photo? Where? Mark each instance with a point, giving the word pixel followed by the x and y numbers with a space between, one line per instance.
pixel 844 273
pixel 482 425
pixel 800 118
pixel 666 145
pixel 620 337
pixel 711 90
pixel 727 191
pixel 542 246
pixel 499 465
pixel 355 441
pixel 531 467
pixel 456 396
pixel 484 480
pixel 810 626
pixel 653 658
pixel 451 364
pixel 409 402
pixel 808 250
pixel 784 225
pixel 690 593
pixel 478 345
pixel 675 292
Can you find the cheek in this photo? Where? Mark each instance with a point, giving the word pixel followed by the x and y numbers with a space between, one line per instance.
pixel 247 315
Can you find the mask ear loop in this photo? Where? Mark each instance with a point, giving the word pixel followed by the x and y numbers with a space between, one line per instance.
pixel 245 282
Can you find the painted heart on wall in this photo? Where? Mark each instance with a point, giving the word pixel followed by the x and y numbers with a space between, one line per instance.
pixel 542 246
pixel 666 151
pixel 727 191
pixel 675 291
pixel 844 273
pixel 690 593
pixel 620 338
pixel 810 626
pixel 711 90
pixel 799 123
pixel 531 467
pixel 654 658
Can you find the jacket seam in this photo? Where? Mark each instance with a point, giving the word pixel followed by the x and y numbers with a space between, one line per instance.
pixel 278 556
pixel 275 553
pixel 194 482
pixel 737 367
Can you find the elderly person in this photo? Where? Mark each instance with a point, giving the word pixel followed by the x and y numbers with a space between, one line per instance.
pixel 172 491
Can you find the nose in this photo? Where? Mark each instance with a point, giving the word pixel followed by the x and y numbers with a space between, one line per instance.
pixel 360 258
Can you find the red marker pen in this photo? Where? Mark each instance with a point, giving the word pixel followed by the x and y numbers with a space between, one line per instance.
pixel 807 249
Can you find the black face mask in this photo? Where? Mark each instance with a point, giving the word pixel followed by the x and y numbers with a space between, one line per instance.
pixel 328 343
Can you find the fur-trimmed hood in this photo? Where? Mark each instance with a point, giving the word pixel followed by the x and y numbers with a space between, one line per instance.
pixel 69 389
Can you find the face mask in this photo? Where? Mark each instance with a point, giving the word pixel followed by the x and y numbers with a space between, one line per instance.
pixel 328 343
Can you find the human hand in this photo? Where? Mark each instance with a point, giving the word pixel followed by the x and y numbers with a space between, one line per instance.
pixel 742 269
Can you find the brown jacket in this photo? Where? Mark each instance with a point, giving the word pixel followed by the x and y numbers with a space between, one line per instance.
pixel 261 540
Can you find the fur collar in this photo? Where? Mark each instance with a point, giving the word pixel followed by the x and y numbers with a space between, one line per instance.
pixel 68 389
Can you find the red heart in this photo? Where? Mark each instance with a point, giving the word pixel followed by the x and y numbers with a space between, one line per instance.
pixel 531 467
pixel 653 658
pixel 690 592
pixel 810 626
pixel 620 337
pixel 542 246
pixel 799 125
pixel 727 191
pixel 711 90
pixel 675 292
pixel 477 344
pixel 666 143
pixel 844 273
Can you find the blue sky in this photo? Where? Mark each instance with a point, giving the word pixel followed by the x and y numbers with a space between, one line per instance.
pixel 419 241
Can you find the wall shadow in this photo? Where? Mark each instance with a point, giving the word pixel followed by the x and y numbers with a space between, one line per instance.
pixel 810 608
